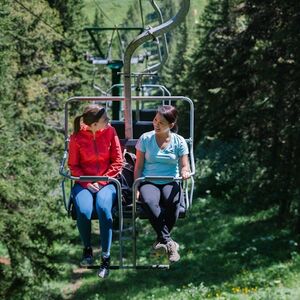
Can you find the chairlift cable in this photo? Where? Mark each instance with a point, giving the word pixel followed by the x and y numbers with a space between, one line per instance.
pixel 142 15
pixel 108 54
pixel 39 18
pixel 121 44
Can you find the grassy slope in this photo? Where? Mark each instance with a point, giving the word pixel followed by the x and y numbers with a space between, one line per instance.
pixel 225 255
pixel 116 10
pixel 118 7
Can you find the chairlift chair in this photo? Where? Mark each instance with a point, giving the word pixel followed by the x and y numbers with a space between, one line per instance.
pixel 133 211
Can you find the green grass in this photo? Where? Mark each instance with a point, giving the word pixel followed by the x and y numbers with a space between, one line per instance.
pixel 225 255
pixel 116 10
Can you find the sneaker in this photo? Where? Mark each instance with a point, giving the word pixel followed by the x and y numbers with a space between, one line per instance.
pixel 172 248
pixel 176 245
pixel 87 257
pixel 104 267
pixel 159 248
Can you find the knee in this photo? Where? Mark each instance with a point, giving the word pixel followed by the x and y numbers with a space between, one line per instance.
pixel 148 199
pixel 85 211
pixel 103 210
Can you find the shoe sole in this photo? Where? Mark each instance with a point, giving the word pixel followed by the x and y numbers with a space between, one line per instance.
pixel 85 265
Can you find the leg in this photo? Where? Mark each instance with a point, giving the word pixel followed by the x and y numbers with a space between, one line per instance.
pixel 83 201
pixel 105 199
pixel 171 200
pixel 150 198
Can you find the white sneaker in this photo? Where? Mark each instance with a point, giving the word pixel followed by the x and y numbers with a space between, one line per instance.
pixel 172 249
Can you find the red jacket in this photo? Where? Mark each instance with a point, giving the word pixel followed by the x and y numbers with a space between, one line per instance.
pixel 95 156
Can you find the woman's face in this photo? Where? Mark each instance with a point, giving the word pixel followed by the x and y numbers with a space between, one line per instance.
pixel 101 124
pixel 161 125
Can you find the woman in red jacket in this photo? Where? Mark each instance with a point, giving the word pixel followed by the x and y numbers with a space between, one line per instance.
pixel 94 150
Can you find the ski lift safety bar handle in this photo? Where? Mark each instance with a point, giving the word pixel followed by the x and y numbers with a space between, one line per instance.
pixel 90 178
pixel 162 177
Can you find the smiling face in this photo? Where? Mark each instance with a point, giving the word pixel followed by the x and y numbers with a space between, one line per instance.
pixel 161 125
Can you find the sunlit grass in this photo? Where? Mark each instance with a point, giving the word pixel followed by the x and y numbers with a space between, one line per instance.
pixel 224 255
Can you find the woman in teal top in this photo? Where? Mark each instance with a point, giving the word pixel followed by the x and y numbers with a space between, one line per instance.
pixel 162 152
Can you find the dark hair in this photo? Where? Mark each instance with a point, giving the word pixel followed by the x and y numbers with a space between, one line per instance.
pixel 170 113
pixel 91 114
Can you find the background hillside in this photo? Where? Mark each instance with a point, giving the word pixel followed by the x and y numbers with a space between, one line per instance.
pixel 239 62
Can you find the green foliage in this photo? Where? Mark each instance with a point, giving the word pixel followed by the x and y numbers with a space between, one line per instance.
pixel 30 214
pixel 38 70
pixel 241 67
pixel 241 73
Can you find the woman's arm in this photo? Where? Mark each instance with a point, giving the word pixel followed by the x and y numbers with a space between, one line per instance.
pixel 116 157
pixel 185 170
pixel 74 161
pixel 139 164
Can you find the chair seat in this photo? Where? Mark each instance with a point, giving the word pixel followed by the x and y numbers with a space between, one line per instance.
pixel 140 212
pixel 127 211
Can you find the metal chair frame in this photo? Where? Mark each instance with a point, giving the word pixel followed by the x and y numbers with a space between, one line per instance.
pixel 129 142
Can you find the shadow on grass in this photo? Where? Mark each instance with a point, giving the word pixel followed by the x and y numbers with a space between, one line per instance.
pixel 215 245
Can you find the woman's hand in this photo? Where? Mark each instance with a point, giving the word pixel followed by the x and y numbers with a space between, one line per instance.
pixel 185 167
pixel 185 174
pixel 94 187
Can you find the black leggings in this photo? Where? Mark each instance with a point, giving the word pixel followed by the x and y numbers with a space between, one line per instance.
pixel 161 203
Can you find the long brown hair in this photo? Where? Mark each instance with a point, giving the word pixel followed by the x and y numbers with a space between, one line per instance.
pixel 170 113
pixel 91 114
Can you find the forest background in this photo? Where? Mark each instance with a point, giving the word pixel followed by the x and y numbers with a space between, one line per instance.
pixel 239 62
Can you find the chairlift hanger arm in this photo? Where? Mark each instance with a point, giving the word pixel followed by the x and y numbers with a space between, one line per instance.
pixel 139 40
pixel 163 58
pixel 91 31
pixel 96 43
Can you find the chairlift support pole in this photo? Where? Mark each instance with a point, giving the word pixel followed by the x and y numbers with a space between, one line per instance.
pixel 165 54
pixel 149 34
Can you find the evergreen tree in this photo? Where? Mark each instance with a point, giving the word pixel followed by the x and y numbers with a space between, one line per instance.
pixel 243 74
pixel 36 77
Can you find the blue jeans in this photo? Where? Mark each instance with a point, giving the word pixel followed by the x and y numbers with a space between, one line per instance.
pixel 103 201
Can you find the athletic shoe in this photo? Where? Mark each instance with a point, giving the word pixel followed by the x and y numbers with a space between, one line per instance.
pixel 172 249
pixel 104 267
pixel 87 257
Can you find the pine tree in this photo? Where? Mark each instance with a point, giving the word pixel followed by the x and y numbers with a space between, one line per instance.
pixel 36 77
pixel 243 74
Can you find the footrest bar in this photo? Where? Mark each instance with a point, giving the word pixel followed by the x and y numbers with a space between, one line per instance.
pixel 145 267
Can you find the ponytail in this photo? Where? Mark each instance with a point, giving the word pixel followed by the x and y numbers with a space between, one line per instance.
pixel 77 124
pixel 92 113
pixel 174 128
